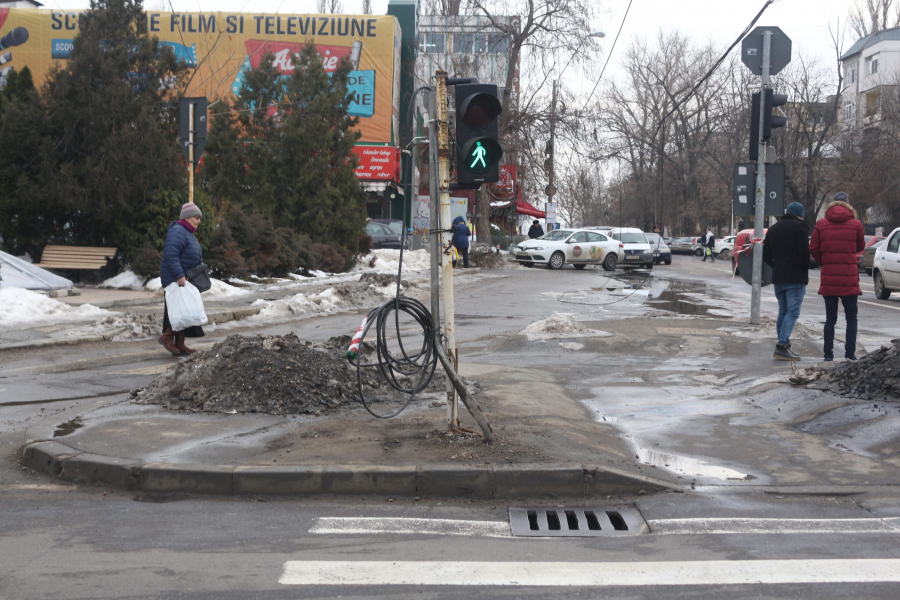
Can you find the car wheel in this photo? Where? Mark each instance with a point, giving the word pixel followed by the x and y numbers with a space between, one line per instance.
pixel 610 262
pixel 557 260
pixel 698 252
pixel 881 292
pixel 868 272
pixel 668 261
pixel 579 267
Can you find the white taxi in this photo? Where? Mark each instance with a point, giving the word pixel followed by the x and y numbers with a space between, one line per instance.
pixel 578 247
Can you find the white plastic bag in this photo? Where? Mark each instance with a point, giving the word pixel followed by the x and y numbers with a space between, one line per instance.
pixel 185 306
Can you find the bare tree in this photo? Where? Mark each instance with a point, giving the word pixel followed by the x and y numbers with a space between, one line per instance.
pixel 872 16
pixel 367 7
pixel 329 6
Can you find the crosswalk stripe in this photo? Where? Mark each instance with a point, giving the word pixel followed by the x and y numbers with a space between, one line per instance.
pixel 401 525
pixel 713 572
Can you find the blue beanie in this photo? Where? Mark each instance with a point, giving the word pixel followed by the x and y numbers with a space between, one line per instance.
pixel 796 209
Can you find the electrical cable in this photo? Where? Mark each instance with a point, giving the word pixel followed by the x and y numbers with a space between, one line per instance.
pixel 609 55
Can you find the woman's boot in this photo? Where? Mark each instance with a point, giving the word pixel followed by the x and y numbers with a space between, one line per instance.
pixel 167 339
pixel 179 343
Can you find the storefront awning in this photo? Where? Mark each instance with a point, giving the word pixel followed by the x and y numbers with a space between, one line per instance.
pixel 523 208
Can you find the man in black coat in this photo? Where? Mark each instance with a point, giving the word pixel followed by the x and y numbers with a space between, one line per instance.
pixel 786 250
pixel 535 231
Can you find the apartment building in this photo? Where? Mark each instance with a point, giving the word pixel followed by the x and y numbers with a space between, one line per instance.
pixel 871 69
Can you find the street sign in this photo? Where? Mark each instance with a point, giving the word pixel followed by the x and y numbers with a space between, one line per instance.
pixel 550 212
pixel 744 187
pixel 550 190
pixel 752 50
pixel 199 125
pixel 745 266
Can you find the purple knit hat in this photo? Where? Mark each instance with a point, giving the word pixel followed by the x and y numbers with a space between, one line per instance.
pixel 190 210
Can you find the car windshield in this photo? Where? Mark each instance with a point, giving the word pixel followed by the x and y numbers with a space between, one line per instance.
pixel 394 226
pixel 654 238
pixel 630 238
pixel 557 235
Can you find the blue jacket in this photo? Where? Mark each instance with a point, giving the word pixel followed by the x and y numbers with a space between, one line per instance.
pixel 461 233
pixel 181 253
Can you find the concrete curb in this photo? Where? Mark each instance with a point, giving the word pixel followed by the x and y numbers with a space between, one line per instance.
pixel 432 480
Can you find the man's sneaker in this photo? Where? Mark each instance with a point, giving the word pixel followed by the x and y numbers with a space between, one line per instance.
pixel 851 357
pixel 785 353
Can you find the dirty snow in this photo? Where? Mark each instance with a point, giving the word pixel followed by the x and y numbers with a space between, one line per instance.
pixel 560 325
pixel 19 306
pixel 220 290
pixel 125 280
pixel 571 345
pixel 154 285
pixel 388 261
pixel 118 327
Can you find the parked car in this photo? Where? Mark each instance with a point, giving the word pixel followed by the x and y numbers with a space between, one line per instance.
pixel 681 245
pixel 867 257
pixel 886 268
pixel 726 244
pixel 638 253
pixel 661 251
pixel 698 245
pixel 742 241
pixel 384 237
pixel 871 240
pixel 580 247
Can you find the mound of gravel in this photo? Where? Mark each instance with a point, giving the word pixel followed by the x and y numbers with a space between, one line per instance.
pixel 875 376
pixel 273 374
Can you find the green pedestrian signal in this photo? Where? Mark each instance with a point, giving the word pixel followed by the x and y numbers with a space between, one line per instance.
pixel 478 109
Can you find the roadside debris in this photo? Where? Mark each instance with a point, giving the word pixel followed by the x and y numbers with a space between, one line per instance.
pixel 559 325
pixel 874 376
pixel 272 374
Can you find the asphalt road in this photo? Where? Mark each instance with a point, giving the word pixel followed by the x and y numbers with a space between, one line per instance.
pixel 60 541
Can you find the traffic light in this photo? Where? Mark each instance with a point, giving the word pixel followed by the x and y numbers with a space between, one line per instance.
pixel 477 134
pixel 770 121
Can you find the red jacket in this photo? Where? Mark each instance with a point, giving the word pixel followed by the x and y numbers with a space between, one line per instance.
pixel 836 243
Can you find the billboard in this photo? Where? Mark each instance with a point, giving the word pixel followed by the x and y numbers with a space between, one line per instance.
pixel 220 48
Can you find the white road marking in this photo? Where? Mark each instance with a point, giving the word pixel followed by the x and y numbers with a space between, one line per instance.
pixel 628 574
pixel 781 526
pixel 365 525
pixel 151 370
pixel 881 305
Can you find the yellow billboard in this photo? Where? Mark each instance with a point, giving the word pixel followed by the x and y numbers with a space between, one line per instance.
pixel 220 48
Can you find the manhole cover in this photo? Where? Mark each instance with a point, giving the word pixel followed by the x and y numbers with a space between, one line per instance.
pixel 575 521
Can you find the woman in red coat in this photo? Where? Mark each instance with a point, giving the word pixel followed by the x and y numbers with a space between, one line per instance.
pixel 836 243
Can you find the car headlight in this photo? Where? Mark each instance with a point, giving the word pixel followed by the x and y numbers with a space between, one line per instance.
pixel 540 248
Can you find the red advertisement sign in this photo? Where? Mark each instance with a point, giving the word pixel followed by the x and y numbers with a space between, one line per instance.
pixel 284 54
pixel 378 163
pixel 507 178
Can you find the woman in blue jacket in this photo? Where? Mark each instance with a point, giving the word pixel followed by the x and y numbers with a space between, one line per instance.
pixel 181 254
pixel 460 239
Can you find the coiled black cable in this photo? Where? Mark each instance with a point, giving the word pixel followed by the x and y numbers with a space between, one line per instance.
pixel 418 365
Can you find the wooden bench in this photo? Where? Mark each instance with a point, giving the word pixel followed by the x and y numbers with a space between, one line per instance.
pixel 78 258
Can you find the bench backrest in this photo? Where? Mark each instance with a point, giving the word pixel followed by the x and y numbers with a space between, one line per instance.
pixel 76 257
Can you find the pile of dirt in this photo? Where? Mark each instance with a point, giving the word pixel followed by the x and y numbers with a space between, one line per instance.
pixel 875 376
pixel 273 374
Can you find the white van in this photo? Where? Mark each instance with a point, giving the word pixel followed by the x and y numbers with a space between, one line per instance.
pixel 636 247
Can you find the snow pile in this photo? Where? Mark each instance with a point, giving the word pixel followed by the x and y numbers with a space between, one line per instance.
pixel 126 327
pixel 388 261
pixel 559 326
pixel 220 290
pixel 299 306
pixel 19 306
pixel 154 285
pixel 125 280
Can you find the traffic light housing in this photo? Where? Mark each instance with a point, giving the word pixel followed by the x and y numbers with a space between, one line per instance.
pixel 477 134
pixel 770 121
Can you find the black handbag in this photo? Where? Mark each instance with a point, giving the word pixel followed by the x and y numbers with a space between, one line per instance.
pixel 198 277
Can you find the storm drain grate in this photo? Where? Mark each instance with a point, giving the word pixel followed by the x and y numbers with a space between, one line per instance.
pixel 575 521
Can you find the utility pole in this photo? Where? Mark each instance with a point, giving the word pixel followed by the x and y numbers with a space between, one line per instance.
pixel 760 208
pixel 551 159
pixel 191 157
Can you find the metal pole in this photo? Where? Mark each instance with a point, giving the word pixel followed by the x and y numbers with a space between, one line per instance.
pixel 551 175
pixel 191 153
pixel 435 216
pixel 759 214
pixel 443 148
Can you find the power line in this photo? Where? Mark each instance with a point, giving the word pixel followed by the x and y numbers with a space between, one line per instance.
pixel 715 66
pixel 609 54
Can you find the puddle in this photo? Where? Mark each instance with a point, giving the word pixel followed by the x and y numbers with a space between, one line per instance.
pixel 683 298
pixel 691 467
pixel 68 427
pixel 604 296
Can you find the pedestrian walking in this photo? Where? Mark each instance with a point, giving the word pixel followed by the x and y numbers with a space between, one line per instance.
pixel 709 242
pixel 786 250
pixel 460 239
pixel 836 243
pixel 535 231
pixel 181 253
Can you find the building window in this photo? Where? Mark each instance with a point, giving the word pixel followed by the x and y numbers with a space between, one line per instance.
pixel 873 103
pixel 872 64
pixel 850 74
pixel 849 114
pixel 480 43
pixel 432 43
pixel 463 43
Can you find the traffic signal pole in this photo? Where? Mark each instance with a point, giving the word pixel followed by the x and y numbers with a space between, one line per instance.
pixel 760 207
pixel 443 173
pixel 191 165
